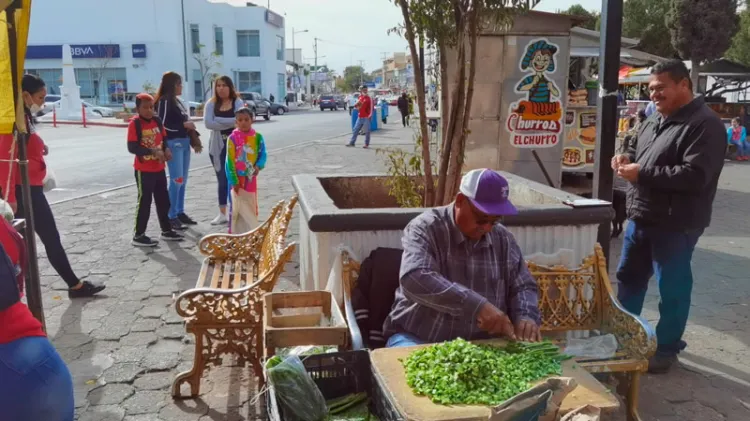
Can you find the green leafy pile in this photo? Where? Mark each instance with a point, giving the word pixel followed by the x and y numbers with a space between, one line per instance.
pixel 459 372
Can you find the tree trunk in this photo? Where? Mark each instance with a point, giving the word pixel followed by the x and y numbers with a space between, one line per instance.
pixel 695 74
pixel 460 155
pixel 458 98
pixel 429 183
pixel 445 144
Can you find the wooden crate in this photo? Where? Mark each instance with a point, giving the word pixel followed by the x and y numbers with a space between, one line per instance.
pixel 283 327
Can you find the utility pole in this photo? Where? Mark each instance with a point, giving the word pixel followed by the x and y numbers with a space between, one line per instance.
pixel 315 50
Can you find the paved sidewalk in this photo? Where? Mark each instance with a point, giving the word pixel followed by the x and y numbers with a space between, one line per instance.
pixel 125 347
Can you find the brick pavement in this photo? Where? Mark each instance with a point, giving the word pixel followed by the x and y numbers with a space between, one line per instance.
pixel 125 347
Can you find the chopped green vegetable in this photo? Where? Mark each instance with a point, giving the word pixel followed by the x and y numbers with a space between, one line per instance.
pixel 459 372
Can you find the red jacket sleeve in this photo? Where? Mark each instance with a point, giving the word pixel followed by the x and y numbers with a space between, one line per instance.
pixel 7 168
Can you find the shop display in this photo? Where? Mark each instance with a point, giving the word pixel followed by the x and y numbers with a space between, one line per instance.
pixel 459 372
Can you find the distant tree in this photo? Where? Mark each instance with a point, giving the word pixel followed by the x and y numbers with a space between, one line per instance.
pixel 207 63
pixel 99 72
pixel 702 30
pixel 355 76
pixel 591 18
pixel 740 49
pixel 644 20
pixel 149 87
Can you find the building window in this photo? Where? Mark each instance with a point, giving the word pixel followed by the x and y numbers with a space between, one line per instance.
pixel 248 43
pixel 51 77
pixel 102 85
pixel 248 81
pixel 195 38
pixel 218 41
pixel 279 47
pixel 197 85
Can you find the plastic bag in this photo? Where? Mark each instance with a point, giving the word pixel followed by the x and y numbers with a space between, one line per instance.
pixel 7 211
pixel 540 403
pixel 295 389
pixel 50 182
pixel 600 347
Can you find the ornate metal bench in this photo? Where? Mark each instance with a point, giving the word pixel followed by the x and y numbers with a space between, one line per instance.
pixel 224 310
pixel 579 299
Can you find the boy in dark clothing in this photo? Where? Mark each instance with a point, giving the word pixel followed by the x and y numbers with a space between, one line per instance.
pixel 146 136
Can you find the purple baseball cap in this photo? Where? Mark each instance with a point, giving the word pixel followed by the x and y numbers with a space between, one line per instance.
pixel 488 191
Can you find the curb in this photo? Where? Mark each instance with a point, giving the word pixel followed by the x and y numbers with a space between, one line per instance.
pixel 281 149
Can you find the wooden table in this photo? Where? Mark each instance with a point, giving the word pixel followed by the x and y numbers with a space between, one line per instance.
pixel 391 373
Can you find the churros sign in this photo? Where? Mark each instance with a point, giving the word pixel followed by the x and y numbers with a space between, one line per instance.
pixel 536 121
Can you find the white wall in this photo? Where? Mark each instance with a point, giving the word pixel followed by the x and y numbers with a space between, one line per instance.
pixel 156 23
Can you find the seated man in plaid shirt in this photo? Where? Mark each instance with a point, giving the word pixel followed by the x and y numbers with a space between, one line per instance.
pixel 462 273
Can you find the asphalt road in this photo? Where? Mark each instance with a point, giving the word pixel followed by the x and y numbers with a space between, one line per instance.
pixel 92 159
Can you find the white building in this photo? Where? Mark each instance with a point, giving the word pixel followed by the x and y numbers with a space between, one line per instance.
pixel 123 47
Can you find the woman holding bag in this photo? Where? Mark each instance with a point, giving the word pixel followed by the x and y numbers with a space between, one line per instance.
pixel 33 92
pixel 178 126
pixel 219 118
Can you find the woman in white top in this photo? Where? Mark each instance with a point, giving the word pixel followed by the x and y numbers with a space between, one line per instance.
pixel 219 118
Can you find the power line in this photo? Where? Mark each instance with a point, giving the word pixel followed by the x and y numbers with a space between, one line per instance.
pixel 342 44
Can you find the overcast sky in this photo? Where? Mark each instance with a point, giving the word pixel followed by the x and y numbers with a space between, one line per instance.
pixel 352 30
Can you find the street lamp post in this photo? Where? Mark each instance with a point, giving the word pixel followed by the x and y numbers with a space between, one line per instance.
pixel 294 61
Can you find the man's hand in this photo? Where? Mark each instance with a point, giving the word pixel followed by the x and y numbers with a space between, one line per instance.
pixel 527 330
pixel 45 152
pixel 167 154
pixel 14 206
pixel 619 160
pixel 629 172
pixel 495 322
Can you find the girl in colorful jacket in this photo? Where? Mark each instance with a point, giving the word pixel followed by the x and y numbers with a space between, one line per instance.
pixel 246 157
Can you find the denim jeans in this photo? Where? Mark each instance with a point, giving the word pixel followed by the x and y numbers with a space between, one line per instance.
pixel 178 166
pixel 741 147
pixel 398 340
pixel 650 250
pixel 362 123
pixel 35 384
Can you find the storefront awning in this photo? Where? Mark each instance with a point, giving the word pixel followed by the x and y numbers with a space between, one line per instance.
pixel 627 55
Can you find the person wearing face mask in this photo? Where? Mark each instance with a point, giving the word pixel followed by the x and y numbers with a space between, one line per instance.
pixel 462 272
pixel 34 91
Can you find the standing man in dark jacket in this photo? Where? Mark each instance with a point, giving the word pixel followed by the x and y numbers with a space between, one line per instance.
pixel 673 168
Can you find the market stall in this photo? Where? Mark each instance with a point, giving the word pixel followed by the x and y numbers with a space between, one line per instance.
pixel 15 16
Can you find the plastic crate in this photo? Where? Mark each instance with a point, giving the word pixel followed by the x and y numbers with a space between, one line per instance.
pixel 338 374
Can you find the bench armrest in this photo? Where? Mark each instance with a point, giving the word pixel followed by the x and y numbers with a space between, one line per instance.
pixel 634 334
pixel 211 306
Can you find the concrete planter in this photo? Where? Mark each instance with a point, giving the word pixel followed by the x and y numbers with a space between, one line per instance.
pixel 357 212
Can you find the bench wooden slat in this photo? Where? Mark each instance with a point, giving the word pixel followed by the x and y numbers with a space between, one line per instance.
pixel 202 274
pixel 216 275
pixel 237 274
pixel 225 281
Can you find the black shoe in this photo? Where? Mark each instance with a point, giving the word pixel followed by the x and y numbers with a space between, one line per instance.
pixel 351 145
pixel 143 241
pixel 86 290
pixel 186 219
pixel 177 225
pixel 172 236
pixel 661 363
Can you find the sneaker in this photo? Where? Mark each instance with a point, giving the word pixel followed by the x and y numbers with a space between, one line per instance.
pixel 186 219
pixel 350 145
pixel 661 363
pixel 143 241
pixel 172 236
pixel 366 147
pixel 220 219
pixel 86 290
pixel 177 225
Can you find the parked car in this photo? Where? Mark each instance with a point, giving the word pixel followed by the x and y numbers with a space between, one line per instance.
pixel 341 101
pixel 279 109
pixel 328 102
pixel 129 104
pixel 257 104
pixel 49 102
pixel 102 111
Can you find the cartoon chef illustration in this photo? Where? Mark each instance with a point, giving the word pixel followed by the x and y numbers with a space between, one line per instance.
pixel 540 91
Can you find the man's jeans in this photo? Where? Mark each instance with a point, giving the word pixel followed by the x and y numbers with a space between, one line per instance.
pixel 362 122
pixel 650 250
pixel 398 340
